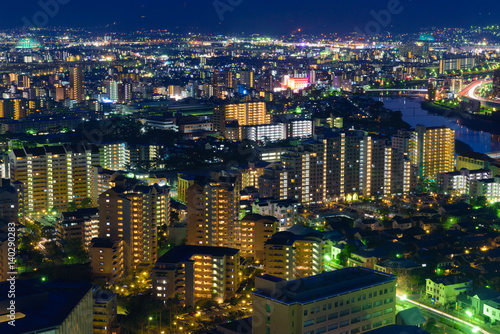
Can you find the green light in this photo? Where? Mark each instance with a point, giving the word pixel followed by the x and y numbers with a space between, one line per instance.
pixel 44 279
pixel 469 313
pixel 328 258
pixel 150 318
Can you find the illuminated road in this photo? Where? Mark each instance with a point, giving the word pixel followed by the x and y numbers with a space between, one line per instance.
pixel 470 92
pixel 475 329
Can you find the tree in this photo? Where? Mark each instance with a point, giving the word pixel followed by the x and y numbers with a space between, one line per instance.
pixel 86 203
pixel 481 202
pixel 72 207
pixel 54 253
pixel 75 252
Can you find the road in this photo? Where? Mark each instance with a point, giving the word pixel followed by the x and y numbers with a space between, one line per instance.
pixel 424 308
pixel 470 92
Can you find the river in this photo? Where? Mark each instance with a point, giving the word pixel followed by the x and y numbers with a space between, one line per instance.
pixel 413 114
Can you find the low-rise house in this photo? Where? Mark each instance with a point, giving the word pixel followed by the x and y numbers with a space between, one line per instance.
pixel 445 289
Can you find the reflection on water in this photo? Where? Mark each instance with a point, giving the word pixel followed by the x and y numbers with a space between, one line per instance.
pixel 413 114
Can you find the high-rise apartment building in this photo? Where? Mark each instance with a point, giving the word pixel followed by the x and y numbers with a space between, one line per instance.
pixel 106 259
pixel 134 213
pixel 15 108
pixel 255 230
pixel 349 300
pixel 295 253
pixel 54 176
pixel 249 113
pixel 105 312
pixel 114 155
pixel 194 272
pixel 431 150
pixel 76 83
pixel 82 224
pixel 338 165
pixel 213 211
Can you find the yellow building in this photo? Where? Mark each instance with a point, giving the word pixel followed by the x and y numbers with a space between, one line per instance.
pixel 194 272
pixel 76 83
pixel 213 212
pixel 134 215
pixel 106 259
pixel 295 253
pixel 473 160
pixel 250 113
pixel 437 150
pixel 431 150
pixel 53 176
pixel 184 181
pixel 255 231
pixel 349 300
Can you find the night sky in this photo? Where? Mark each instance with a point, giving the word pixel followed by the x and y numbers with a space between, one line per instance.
pixel 253 16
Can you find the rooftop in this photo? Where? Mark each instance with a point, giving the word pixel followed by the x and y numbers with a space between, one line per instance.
pixel 185 252
pixel 325 285
pixel 45 305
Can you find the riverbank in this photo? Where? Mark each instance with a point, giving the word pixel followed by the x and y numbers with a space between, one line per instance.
pixel 435 116
pixel 473 122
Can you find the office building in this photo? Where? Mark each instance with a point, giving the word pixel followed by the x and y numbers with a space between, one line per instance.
pixel 272 132
pixel 76 83
pixel 106 259
pixel 249 113
pixel 213 211
pixel 54 307
pixel 195 272
pixel 54 176
pixel 349 300
pixel 255 230
pixel 134 213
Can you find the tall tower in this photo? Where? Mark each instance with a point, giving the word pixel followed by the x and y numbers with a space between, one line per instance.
pixel 76 83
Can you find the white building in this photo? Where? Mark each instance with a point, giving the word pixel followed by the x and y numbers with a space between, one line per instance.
pixel 459 183
pixel 283 210
pixel 114 156
pixel 445 289
pixel 277 131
